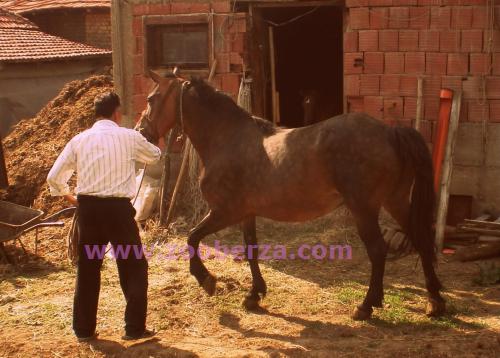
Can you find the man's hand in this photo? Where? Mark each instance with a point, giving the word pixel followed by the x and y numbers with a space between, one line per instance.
pixel 71 199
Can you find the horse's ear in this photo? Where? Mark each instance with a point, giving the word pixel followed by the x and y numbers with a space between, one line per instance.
pixel 154 76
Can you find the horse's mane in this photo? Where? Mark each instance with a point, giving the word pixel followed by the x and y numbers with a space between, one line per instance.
pixel 220 102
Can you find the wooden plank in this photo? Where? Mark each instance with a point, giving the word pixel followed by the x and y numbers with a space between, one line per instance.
pixel 477 252
pixel 490 232
pixel 418 117
pixel 258 62
pixel 272 61
pixel 491 224
pixel 4 180
pixel 447 169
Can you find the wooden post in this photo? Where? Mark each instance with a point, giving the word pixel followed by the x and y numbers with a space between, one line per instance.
pixel 4 181
pixel 418 116
pixel 272 58
pixel 447 170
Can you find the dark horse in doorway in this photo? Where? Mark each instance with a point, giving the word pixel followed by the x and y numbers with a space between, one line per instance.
pixel 252 168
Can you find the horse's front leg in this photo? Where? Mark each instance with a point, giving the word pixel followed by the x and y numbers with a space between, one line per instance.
pixel 213 222
pixel 259 288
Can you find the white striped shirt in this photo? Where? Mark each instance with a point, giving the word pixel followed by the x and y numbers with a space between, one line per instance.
pixel 104 157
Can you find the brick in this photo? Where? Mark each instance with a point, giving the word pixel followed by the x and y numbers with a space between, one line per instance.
pixel 138 88
pixel 356 3
pixel 200 7
pixel 410 107
pixel 368 40
pixel 414 62
pixel 404 2
pixel 389 85
pixel 380 3
pixel 393 108
pixel 491 40
pixel 399 17
pixel 355 104
pixel 394 62
pixel 231 83
pixel 431 108
pixel 472 41
pixel 223 6
pixel 351 41
pixel 408 85
pixel 436 63
pixel 426 130
pixel 495 65
pixel 379 18
pixel 139 45
pixel 388 40
pixel 180 8
pixel 428 40
pixel 472 87
pixel 159 9
pixel 359 18
pixel 351 85
pixel 432 86
pixel 238 43
pixel 449 41
pixel 464 112
pixel 479 18
pixel 235 58
pixel 440 18
pixel 222 63
pixel 458 64
pixel 480 63
pixel 139 102
pixel 494 110
pixel 141 9
pixel 374 62
pixel 408 40
pixel 138 61
pixel 420 17
pixel 369 85
pixel 452 82
pixel 429 2
pixel 493 87
pixel 374 106
pixel 477 111
pixel 461 18
pixel 137 26
pixel 353 62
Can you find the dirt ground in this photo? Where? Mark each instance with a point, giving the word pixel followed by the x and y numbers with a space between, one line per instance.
pixel 305 314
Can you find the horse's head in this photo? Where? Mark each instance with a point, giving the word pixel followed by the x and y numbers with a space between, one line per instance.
pixel 162 109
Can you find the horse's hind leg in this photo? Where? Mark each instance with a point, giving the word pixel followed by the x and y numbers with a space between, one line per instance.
pixel 212 223
pixel 399 208
pixel 369 231
pixel 252 251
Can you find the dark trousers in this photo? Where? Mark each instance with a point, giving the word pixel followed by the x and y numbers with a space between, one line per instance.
pixel 100 221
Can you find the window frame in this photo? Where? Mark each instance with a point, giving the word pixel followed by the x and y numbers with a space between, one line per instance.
pixel 172 20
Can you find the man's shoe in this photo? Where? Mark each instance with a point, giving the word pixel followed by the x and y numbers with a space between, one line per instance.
pixel 87 338
pixel 132 337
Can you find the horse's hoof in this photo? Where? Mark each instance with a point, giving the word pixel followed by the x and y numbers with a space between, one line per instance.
pixel 251 303
pixel 435 308
pixel 209 285
pixel 362 314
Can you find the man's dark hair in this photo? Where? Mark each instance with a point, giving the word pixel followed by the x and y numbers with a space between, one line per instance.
pixel 106 104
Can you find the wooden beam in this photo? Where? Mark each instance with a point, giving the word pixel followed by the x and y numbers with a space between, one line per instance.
pixel 418 117
pixel 447 169
pixel 272 58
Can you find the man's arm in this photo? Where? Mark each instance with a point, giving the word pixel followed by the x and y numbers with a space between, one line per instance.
pixel 62 170
pixel 145 152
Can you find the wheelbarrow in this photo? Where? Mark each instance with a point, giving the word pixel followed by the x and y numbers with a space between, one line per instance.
pixel 17 220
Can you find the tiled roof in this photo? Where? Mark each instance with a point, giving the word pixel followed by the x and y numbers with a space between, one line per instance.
pixel 22 41
pixel 22 6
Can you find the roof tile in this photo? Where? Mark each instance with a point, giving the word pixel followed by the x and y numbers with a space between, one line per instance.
pixel 22 6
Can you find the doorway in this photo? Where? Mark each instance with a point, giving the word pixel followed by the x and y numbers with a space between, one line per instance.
pixel 301 52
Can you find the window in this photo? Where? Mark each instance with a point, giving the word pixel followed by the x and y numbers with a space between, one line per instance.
pixel 184 45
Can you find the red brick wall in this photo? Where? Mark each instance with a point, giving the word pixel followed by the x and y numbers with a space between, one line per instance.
pixel 230 30
pixel 388 44
pixel 98 29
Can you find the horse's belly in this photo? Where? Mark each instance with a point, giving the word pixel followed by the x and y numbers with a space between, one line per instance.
pixel 292 209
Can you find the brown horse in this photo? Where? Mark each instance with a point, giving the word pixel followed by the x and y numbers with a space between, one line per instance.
pixel 252 168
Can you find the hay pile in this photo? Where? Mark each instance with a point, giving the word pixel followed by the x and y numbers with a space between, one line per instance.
pixel 34 144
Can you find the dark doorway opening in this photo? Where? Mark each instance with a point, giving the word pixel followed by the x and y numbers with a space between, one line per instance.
pixel 308 63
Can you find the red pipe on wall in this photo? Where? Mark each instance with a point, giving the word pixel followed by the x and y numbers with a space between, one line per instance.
pixel 446 97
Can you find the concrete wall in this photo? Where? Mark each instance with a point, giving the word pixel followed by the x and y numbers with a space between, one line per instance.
pixel 25 88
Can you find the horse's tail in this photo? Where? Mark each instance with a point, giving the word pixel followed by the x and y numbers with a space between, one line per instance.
pixel 415 156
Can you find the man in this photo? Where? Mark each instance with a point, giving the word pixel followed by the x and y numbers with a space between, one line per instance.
pixel 104 158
